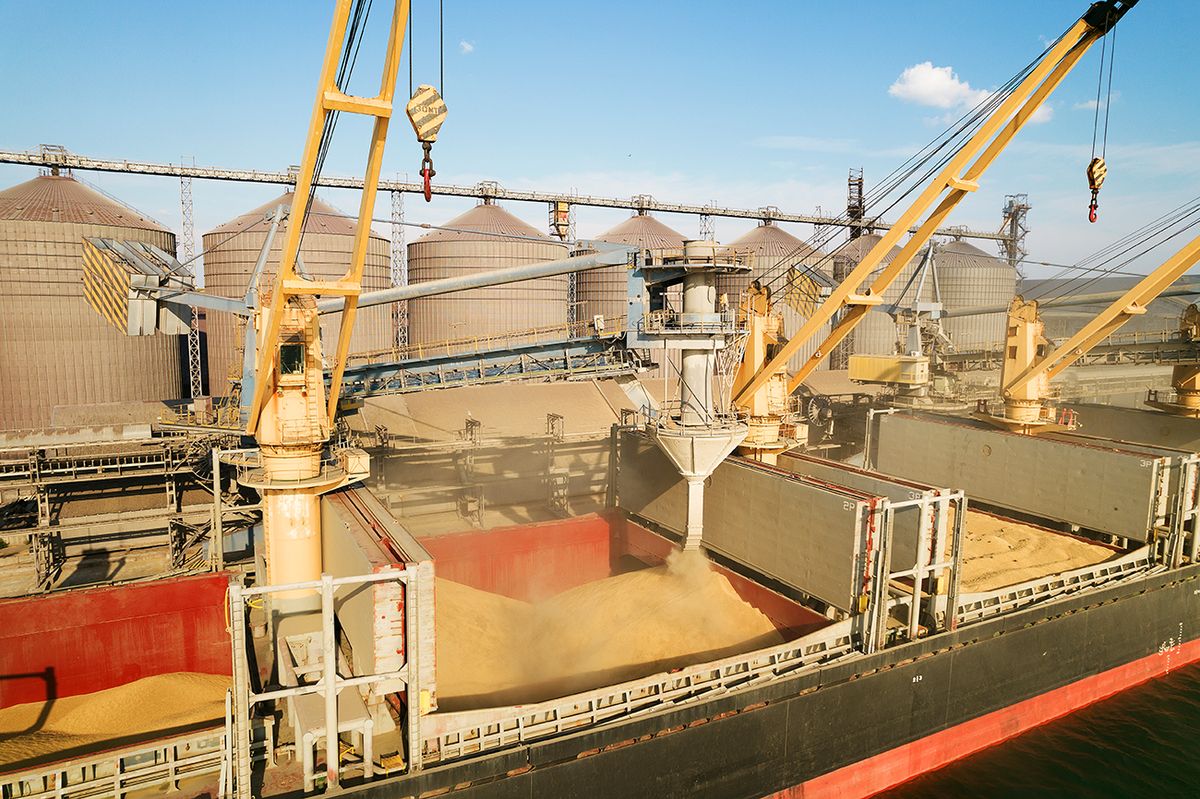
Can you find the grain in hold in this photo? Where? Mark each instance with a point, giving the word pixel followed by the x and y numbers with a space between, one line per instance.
pixel 39 732
pixel 494 650
pixel 1000 552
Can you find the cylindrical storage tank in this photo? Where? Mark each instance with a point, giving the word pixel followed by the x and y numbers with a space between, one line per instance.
pixel 967 276
pixel 231 250
pixel 54 349
pixel 485 238
pixel 647 233
pixel 876 334
pixel 602 292
pixel 765 248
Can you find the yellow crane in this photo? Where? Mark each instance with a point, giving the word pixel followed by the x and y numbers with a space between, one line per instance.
pixel 857 293
pixel 291 414
pixel 1029 362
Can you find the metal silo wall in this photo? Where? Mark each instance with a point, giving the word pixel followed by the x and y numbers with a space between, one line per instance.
pixel 228 263
pixel 761 264
pixel 876 334
pixel 966 280
pixel 602 292
pixel 485 312
pixel 54 349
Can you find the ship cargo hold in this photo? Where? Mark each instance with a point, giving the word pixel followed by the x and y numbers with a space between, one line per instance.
pixel 570 516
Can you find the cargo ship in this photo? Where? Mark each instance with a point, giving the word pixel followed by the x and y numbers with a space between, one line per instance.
pixel 844 703
pixel 641 554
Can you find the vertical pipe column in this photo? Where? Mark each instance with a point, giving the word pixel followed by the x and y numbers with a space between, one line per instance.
pixel 329 677
pixel 695 388
pixel 695 513
pixel 292 525
pixel 216 531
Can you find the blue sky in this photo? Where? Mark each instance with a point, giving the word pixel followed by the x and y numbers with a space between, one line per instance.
pixel 741 104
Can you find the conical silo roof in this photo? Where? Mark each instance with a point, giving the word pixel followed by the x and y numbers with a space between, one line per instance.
pixel 855 250
pixel 59 198
pixel 643 230
pixel 487 218
pixel 770 239
pixel 960 253
pixel 322 218
pixel 769 242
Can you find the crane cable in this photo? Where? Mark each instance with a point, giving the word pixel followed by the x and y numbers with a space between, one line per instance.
pixel 914 172
pixel 1107 253
pixel 360 13
pixel 1097 169
pixel 1110 260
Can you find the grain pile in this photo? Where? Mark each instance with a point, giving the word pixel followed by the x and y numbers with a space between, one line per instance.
pixel 999 552
pixel 117 716
pixel 493 650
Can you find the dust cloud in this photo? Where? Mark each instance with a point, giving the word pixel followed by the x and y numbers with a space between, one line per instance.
pixel 493 650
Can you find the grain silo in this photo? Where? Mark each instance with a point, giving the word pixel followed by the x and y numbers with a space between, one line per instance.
pixel 484 238
pixel 231 250
pixel 967 276
pixel 769 248
pixel 603 291
pixel 54 349
pixel 876 334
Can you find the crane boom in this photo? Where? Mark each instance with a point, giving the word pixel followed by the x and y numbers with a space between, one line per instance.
pixel 288 285
pixel 1130 304
pixel 851 300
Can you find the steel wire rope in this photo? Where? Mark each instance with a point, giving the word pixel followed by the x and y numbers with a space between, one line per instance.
pixel 1099 86
pixel 349 57
pixel 1110 252
pixel 962 128
pixel 1112 60
pixel 1056 291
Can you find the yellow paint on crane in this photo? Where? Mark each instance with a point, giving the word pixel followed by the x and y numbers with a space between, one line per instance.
pixel 426 111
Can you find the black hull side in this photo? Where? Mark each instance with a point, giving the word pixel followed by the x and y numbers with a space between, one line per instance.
pixel 760 741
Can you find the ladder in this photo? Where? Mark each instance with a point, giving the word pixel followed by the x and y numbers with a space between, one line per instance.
pixel 239 747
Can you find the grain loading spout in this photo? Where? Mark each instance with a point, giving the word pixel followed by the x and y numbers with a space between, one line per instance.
pixel 695 431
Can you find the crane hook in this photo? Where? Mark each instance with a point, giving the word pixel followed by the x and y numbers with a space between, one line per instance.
pixel 1096 172
pixel 426 112
pixel 427 172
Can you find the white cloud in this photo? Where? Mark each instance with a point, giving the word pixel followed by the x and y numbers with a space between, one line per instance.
pixel 1090 105
pixel 940 87
pixel 1045 113
pixel 465 47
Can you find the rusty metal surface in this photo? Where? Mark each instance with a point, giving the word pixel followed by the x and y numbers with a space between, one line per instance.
pixel 54 349
pixel 58 198
pixel 1100 488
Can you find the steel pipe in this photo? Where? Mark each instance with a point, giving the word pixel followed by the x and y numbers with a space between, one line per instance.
pixel 496 277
